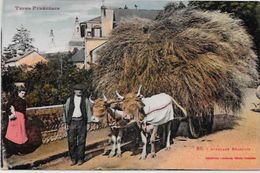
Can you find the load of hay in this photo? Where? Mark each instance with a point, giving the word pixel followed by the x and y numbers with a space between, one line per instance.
pixel 200 58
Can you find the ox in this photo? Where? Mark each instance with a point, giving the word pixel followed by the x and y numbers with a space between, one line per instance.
pixel 150 113
pixel 107 113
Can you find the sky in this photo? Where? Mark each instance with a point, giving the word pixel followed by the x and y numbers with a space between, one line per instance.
pixel 61 20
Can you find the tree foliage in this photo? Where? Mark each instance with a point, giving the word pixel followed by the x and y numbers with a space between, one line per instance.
pixel 21 43
pixel 48 84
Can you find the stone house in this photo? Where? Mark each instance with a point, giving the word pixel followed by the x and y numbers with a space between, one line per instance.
pixel 29 59
pixel 97 30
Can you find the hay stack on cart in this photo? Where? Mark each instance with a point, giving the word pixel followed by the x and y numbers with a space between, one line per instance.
pixel 200 58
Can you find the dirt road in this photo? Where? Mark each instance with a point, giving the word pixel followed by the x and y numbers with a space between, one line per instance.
pixel 234 144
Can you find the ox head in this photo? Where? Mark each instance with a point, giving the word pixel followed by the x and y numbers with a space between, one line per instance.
pixel 130 95
pixel 109 112
pixel 132 104
pixel 101 106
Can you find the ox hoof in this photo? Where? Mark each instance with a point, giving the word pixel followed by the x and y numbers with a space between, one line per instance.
pixel 153 155
pixel 142 157
pixel 119 155
pixel 111 154
pixel 167 148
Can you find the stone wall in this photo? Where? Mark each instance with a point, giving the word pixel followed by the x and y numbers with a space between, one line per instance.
pixel 48 121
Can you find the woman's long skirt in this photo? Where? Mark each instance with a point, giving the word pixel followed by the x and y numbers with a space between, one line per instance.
pixel 16 130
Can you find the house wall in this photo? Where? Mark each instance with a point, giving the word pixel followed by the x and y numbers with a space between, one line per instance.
pixel 94 53
pixel 107 16
pixel 31 60
pixel 79 65
pixel 91 44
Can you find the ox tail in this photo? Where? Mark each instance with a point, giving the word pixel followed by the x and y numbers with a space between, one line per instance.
pixel 179 106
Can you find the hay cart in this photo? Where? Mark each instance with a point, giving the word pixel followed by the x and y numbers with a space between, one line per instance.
pixel 200 58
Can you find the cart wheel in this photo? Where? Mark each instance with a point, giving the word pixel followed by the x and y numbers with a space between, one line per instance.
pixel 208 120
pixel 195 129
pixel 174 127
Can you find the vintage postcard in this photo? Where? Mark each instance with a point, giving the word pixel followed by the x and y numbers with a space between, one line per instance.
pixel 130 85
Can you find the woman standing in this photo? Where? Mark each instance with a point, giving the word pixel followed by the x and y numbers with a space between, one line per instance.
pixel 16 129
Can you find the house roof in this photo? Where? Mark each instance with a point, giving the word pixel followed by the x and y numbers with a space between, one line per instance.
pixel 96 19
pixel 14 59
pixel 76 43
pixel 79 56
pixel 119 14
pixel 130 13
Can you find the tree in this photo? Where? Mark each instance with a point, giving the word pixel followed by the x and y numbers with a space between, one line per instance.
pixel 50 84
pixel 248 11
pixel 12 75
pixel 3 61
pixel 21 43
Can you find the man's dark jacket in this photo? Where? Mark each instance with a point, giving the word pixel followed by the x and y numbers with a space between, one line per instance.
pixel 84 107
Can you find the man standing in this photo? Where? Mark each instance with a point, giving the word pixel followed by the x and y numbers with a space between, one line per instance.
pixel 77 115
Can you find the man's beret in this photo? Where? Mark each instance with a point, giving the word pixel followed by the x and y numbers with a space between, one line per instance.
pixel 79 87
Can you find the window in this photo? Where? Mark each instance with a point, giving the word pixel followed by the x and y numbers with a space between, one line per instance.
pixel 97 32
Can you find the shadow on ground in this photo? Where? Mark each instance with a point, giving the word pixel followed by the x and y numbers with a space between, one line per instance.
pixel 225 122
pixel 221 122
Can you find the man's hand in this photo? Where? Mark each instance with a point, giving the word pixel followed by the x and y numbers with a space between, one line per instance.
pixel 12 117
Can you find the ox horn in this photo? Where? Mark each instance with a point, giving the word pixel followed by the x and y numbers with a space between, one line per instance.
pixel 104 97
pixel 139 91
pixel 91 101
pixel 119 96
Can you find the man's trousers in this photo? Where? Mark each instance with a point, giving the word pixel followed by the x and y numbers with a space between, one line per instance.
pixel 77 139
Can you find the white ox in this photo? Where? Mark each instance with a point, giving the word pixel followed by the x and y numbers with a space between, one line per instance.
pixel 150 113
